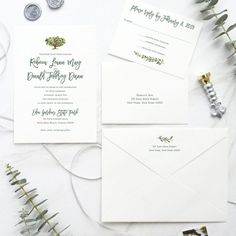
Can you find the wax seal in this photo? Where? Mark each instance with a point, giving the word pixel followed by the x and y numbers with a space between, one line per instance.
pixel 55 4
pixel 32 11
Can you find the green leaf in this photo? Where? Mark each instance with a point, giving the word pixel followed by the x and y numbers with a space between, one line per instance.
pixel 46 221
pixel 218 26
pixel 231 27
pixel 52 216
pixel 22 186
pixel 41 215
pixel 53 227
pixel 31 198
pixel 206 9
pixel 38 204
pixel 42 225
pixel 14 176
pixel 21 181
pixel 9 168
pixel 12 172
pixel 64 229
pixel 26 221
pixel 221 20
pixel 213 3
pixel 208 17
pixel 28 192
pixel 219 35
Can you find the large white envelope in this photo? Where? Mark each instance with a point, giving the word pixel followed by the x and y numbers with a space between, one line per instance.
pixel 164 175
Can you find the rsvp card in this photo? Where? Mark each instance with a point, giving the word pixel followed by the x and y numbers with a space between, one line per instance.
pixel 155 38
pixel 55 85
pixel 164 174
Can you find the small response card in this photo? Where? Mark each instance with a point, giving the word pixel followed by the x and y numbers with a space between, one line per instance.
pixel 155 38
pixel 55 84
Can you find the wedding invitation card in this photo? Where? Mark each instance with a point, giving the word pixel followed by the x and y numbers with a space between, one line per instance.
pixel 155 38
pixel 55 84
pixel 134 94
pixel 164 174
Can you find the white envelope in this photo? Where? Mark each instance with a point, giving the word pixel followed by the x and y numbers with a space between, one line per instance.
pixel 134 94
pixel 164 175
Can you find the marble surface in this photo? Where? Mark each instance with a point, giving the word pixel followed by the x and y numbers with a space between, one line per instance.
pixel 44 172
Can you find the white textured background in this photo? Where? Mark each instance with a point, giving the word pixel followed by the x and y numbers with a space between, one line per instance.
pixel 50 179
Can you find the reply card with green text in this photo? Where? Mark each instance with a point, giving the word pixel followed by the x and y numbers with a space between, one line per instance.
pixel 55 84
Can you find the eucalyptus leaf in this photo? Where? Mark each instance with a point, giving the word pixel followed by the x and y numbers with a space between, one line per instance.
pixel 28 192
pixel 53 227
pixel 26 221
pixel 40 203
pixel 9 168
pixel 30 199
pixel 41 226
pixel 20 188
pixel 231 27
pixel 213 3
pixel 222 19
pixel 46 221
pixel 218 26
pixel 12 172
pixel 27 229
pixel 14 176
pixel 37 205
pixel 222 33
pixel 206 9
pixel 21 181
pixel 64 229
pixel 41 215
pixel 208 17
pixel 52 216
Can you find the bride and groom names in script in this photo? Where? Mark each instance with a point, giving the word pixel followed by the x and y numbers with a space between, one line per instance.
pixel 56 73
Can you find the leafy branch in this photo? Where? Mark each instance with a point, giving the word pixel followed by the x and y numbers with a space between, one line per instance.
pixel 220 19
pixel 165 139
pixel 36 219
pixel 156 60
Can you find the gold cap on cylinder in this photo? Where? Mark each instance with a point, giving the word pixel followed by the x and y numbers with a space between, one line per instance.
pixel 205 78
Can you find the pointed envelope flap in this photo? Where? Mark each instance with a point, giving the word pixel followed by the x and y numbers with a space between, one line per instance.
pixel 165 150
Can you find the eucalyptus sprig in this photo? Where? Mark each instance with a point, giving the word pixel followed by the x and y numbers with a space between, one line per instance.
pixel 36 219
pixel 220 20
pixel 165 139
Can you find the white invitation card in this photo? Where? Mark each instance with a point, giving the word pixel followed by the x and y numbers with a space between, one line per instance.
pixel 155 38
pixel 164 174
pixel 134 94
pixel 55 84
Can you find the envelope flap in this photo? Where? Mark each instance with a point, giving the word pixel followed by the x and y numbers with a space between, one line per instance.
pixel 165 150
